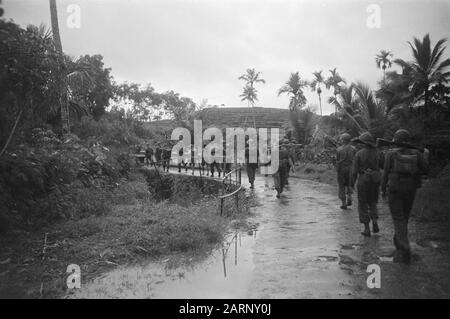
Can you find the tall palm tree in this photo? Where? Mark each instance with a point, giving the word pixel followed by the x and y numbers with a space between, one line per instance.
pixel 316 86
pixel 249 94
pixel 334 81
pixel 294 88
pixel 426 69
pixel 383 61
pixel 55 25
pixel 57 40
pixel 251 77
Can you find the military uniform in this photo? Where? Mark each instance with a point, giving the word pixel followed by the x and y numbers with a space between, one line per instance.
pixel 280 177
pixel 344 161
pixel 166 155
pixel 148 155
pixel 401 178
pixel 251 168
pixel 158 153
pixel 366 169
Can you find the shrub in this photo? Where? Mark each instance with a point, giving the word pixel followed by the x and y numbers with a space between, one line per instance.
pixel 431 203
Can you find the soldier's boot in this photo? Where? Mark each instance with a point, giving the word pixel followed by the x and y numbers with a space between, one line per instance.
pixel 278 193
pixel 366 231
pixel 344 205
pixel 395 243
pixel 349 201
pixel 375 227
pixel 402 256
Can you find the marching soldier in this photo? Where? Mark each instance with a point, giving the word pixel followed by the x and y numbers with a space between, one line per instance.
pixel 148 155
pixel 344 161
pixel 366 169
pixel 158 155
pixel 401 177
pixel 280 177
pixel 251 168
pixel 166 155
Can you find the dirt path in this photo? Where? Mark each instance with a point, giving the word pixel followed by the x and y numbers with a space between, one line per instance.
pixel 304 247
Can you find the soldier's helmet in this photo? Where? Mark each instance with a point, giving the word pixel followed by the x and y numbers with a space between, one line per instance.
pixel 366 137
pixel 345 138
pixel 401 136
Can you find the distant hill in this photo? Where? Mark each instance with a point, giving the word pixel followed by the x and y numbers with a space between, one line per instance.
pixel 245 117
pixel 234 117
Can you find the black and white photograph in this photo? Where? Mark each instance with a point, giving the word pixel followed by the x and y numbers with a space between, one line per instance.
pixel 238 151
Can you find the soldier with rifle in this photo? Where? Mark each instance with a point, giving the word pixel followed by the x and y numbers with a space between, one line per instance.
pixel 344 160
pixel 366 170
pixel 403 168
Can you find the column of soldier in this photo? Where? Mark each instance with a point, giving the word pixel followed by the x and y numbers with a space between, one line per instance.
pixel 396 172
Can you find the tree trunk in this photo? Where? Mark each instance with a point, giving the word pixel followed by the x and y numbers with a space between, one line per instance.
pixel 320 105
pixel 55 26
pixel 425 106
pixel 13 130
pixel 57 39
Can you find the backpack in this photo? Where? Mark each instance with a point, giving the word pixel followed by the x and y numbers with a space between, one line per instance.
pixel 406 164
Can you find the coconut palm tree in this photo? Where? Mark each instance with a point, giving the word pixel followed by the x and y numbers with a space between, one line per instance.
pixel 316 86
pixel 345 104
pixel 334 81
pixel 358 103
pixel 371 111
pixel 426 69
pixel 395 91
pixel 57 40
pixel 383 61
pixel 294 88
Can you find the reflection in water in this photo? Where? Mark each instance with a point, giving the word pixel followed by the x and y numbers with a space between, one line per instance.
pixel 216 277
pixel 237 236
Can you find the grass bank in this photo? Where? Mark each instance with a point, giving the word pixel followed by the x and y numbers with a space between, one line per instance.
pixel 131 227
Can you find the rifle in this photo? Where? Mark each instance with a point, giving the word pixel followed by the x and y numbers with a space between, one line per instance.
pixel 382 142
pixel 357 140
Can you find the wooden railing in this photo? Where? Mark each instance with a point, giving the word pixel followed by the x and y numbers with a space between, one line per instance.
pixel 227 180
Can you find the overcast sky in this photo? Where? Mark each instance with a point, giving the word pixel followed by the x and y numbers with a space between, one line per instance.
pixel 199 48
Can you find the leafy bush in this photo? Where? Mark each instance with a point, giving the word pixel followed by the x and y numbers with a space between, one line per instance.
pixel 431 203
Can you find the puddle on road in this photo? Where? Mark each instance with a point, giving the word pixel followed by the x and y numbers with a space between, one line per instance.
pixel 225 274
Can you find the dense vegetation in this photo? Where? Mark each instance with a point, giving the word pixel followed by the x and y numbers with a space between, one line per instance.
pixel 47 172
pixel 416 98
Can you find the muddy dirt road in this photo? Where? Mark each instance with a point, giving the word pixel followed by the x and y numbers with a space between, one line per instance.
pixel 303 246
